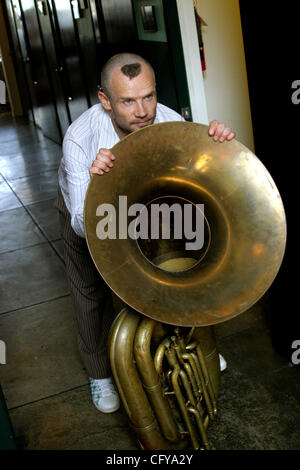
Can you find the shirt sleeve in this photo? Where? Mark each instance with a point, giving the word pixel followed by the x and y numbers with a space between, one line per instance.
pixel 76 165
pixel 165 114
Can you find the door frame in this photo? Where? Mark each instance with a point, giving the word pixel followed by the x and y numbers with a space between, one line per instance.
pixel 191 52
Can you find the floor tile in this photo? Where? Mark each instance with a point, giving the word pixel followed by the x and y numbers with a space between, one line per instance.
pixel 59 247
pixel 36 188
pixel 251 418
pixel 251 352
pixel 29 276
pixel 46 216
pixel 29 142
pixel 18 230
pixel 31 163
pixel 284 383
pixel 42 357
pixel 70 421
pixel 8 199
pixel 14 129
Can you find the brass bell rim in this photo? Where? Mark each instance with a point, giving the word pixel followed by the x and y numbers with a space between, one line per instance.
pixel 201 295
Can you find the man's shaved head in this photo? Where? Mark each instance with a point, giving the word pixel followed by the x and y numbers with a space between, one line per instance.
pixel 128 92
pixel 130 64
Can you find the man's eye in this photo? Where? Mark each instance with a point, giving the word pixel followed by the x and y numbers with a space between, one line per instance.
pixel 149 97
pixel 127 101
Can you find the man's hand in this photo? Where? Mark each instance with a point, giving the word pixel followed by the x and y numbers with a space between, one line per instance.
pixel 102 163
pixel 219 132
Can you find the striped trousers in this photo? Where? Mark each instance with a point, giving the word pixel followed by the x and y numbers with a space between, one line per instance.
pixel 91 298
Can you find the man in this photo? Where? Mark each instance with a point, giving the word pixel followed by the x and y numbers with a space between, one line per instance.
pixel 127 103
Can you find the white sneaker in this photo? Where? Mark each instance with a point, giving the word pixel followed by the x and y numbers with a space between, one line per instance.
pixel 223 363
pixel 105 396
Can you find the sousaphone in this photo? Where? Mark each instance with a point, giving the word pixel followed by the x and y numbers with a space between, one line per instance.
pixel 162 347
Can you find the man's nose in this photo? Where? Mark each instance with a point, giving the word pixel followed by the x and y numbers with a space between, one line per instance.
pixel 140 109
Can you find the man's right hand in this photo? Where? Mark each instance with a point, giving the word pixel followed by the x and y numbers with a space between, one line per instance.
pixel 102 163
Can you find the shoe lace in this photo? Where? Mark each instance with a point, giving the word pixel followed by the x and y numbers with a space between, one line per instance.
pixel 103 390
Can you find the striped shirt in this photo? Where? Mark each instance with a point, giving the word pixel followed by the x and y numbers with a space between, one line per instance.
pixel 85 136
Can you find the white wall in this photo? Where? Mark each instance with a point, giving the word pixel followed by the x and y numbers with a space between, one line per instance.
pixel 225 78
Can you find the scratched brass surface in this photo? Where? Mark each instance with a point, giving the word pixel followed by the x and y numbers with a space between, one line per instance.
pixel 246 226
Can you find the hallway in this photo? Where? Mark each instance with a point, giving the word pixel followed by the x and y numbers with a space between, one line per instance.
pixel 44 383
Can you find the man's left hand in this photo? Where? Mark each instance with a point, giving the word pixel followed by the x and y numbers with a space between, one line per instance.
pixel 220 132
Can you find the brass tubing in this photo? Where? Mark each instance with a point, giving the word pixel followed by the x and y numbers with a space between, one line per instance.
pixel 175 359
pixel 205 336
pixel 208 389
pixel 189 335
pixel 185 414
pixel 187 387
pixel 128 331
pixel 201 383
pixel 189 372
pixel 201 426
pixel 159 355
pixel 192 409
pixel 128 382
pixel 151 381
pixel 191 346
pixel 179 372
pixel 113 343
pixel 206 377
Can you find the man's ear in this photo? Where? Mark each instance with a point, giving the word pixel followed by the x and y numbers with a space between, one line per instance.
pixel 104 100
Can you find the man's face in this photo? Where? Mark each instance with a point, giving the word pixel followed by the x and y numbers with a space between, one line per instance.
pixel 132 102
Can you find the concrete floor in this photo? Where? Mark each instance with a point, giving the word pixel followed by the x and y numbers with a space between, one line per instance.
pixel 44 382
